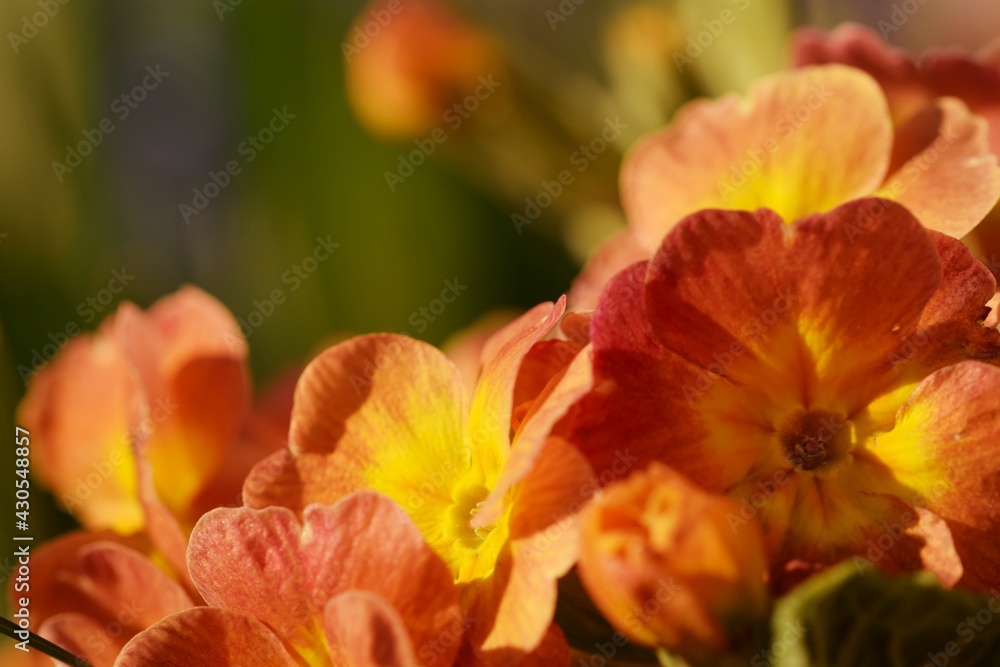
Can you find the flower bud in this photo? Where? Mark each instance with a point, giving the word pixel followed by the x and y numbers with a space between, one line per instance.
pixel 662 563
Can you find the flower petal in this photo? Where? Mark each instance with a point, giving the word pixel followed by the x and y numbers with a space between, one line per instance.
pixel 771 150
pixel 945 448
pixel 206 636
pixel 944 171
pixel 366 631
pixel 617 253
pixel 266 564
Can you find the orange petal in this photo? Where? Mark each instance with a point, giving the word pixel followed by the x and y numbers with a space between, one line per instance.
pixel 944 447
pixel 531 438
pixel 266 564
pixel 82 449
pixel 493 399
pixel 206 636
pixel 772 150
pixel 367 631
pixel 86 638
pixel 544 361
pixel 943 170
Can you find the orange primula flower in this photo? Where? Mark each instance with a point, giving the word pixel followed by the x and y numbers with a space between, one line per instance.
pixel 389 413
pixel 352 585
pixel 802 141
pixel 146 424
pixel 662 563
pixel 829 374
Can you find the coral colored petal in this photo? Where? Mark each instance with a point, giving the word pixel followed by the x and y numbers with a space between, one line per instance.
pixel 82 450
pixel 85 637
pixel 616 254
pixel 367 632
pixel 266 564
pixel 945 448
pixel 390 407
pixel 544 361
pixel 733 293
pixel 206 636
pixel 465 348
pixel 360 543
pixel 946 174
pixel 493 399
pixel 530 440
pixel 772 150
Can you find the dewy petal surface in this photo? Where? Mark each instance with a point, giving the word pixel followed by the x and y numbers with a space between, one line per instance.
pixel 773 149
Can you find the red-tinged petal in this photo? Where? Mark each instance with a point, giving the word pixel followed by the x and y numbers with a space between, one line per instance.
pixel 81 444
pixel 860 47
pixel 552 652
pixel 909 84
pixel 944 447
pixel 266 564
pixel 733 293
pixel 544 361
pixel 206 636
pixel 771 150
pixel 616 254
pixel 943 170
pixel 639 386
pixel 530 440
pixel 367 632
pixel 493 399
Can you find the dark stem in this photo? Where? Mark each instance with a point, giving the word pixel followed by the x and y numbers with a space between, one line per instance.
pixel 42 645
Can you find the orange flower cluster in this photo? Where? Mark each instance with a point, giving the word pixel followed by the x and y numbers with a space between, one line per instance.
pixel 786 362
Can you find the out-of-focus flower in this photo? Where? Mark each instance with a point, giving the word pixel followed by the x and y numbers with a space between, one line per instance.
pixel 774 149
pixel 829 374
pixel 662 563
pixel 806 141
pixel 168 436
pixel 412 62
pixel 912 86
pixel 389 413
pixel 92 592
pixel 353 585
